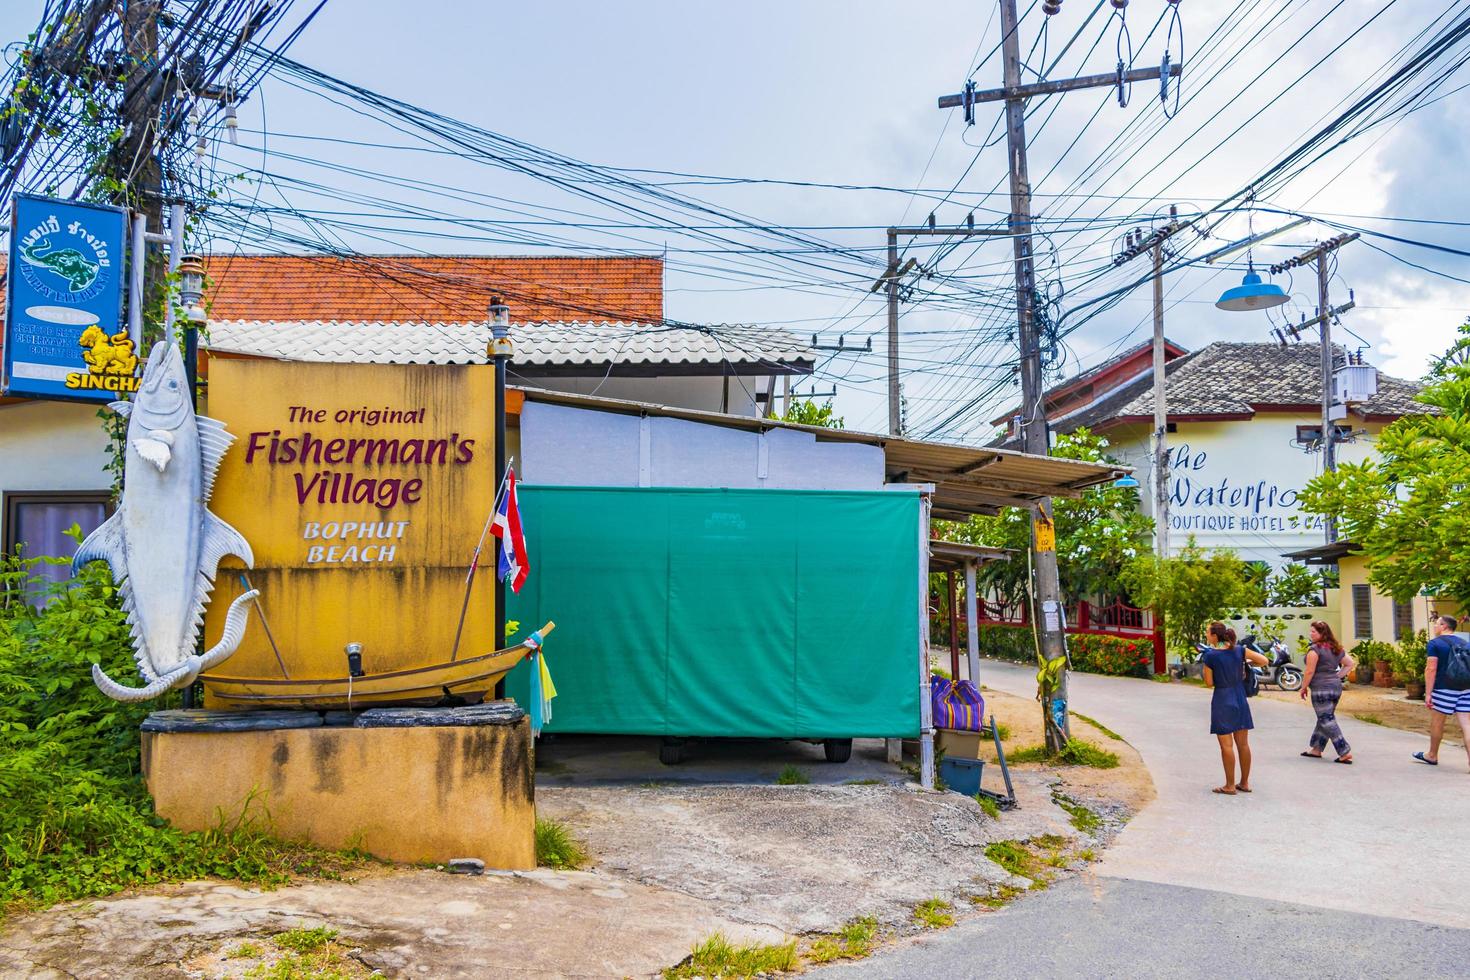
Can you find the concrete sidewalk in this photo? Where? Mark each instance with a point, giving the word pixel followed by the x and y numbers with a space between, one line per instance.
pixel 1378 837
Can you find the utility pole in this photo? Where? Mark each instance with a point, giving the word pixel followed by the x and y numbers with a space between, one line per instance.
pixel 1323 321
pixel 1048 592
pixel 891 278
pixel 1136 245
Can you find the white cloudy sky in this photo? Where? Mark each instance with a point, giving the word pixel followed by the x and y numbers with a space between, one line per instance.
pixel 843 92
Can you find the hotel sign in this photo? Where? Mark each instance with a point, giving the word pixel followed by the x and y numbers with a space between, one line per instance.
pixel 64 335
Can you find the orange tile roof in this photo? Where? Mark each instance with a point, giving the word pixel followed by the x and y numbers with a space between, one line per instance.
pixel 434 289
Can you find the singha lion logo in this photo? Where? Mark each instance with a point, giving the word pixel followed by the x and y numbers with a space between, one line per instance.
pixel 108 355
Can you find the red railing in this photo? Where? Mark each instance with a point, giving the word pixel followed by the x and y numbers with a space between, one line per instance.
pixel 1112 619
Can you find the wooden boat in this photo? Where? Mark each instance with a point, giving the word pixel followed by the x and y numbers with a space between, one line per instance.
pixel 465 681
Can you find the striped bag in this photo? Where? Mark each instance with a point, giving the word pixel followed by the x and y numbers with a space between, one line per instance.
pixel 957 704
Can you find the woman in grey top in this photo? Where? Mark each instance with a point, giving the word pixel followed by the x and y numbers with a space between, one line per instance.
pixel 1327 665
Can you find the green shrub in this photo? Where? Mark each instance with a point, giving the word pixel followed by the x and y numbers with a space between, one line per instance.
pixel 75 818
pixel 1410 656
pixel 1077 752
pixel 1117 656
pixel 556 848
pixel 1091 653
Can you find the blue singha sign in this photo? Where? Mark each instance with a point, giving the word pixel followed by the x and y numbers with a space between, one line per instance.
pixel 64 336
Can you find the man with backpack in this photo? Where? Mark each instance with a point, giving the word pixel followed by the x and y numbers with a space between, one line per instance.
pixel 1446 685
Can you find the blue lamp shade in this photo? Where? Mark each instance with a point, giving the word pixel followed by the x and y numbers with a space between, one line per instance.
pixel 1126 482
pixel 1251 294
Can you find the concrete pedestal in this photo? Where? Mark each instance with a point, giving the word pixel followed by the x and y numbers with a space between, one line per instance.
pixel 407 784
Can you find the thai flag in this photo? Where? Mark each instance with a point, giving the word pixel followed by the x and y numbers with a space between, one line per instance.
pixel 512 562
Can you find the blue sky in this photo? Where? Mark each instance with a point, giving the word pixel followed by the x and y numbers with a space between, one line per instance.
pixel 844 93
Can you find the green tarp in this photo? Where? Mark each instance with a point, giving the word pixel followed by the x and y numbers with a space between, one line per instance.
pixel 757 613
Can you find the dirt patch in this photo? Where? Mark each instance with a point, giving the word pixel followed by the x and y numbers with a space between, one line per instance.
pixel 1387 706
pixel 405 922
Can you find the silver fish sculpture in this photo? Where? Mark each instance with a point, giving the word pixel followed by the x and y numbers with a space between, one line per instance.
pixel 162 544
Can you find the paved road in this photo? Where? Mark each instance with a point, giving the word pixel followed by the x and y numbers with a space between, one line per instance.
pixel 1345 855
pixel 1112 927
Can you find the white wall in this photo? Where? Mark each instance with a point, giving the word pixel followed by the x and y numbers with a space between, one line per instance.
pixel 52 446
pixel 1235 484
pixel 699 393
pixel 567 446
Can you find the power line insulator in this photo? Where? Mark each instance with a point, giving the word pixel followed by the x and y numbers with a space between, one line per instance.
pixel 1119 4
pixel 1051 7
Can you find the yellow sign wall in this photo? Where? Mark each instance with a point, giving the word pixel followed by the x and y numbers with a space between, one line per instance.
pixel 362 490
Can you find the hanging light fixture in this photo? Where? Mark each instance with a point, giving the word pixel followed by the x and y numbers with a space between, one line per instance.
pixel 1126 482
pixel 1251 294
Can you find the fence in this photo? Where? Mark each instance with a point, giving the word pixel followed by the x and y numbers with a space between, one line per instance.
pixel 1083 618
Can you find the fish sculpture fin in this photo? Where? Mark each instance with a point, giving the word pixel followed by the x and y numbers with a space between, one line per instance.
pixel 219 540
pixel 124 409
pixel 103 544
pixel 214 440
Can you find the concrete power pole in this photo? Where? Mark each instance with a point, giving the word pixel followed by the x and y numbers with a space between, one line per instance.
pixel 891 278
pixel 1323 322
pixel 1034 434
pixel 1138 244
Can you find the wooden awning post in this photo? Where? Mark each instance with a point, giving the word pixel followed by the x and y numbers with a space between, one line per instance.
pixel 954 627
pixel 972 623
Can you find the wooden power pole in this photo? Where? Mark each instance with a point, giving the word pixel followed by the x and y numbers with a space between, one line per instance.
pixel 1034 434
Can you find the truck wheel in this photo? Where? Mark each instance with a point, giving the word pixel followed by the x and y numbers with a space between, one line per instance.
pixel 671 751
pixel 837 749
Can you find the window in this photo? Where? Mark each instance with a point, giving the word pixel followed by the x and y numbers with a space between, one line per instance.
pixel 37 523
pixel 1403 619
pixel 1362 612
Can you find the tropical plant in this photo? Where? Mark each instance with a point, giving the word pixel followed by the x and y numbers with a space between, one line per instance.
pixel 1189 590
pixel 805 411
pixel 1408 507
pixel 1097 534
pixel 1295 585
pixel 1409 656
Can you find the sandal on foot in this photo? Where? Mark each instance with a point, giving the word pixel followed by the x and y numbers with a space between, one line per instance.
pixel 1241 789
pixel 1223 791
pixel 1343 762
pixel 1311 755
pixel 1427 762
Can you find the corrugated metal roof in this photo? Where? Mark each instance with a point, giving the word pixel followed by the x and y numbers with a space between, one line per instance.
pixel 536 343
pixel 967 479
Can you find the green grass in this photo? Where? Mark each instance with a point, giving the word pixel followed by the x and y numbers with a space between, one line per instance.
pixel 556 848
pixel 1011 855
pixel 934 913
pixel 716 957
pixel 991 808
pixel 1087 854
pixel 1099 726
pixel 1003 730
pixel 310 954
pixel 1077 752
pixel 863 782
pixel 1370 719
pixel 1083 818
pixel 1026 858
pixel 244 951
pixel 853 941
pixel 999 898
pixel 305 940
pixel 1161 678
pixel 792 776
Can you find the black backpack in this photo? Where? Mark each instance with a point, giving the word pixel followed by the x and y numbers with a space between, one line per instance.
pixel 1248 677
pixel 1454 667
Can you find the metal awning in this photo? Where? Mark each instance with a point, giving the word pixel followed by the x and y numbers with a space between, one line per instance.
pixel 967 479
pixel 1324 554
pixel 946 556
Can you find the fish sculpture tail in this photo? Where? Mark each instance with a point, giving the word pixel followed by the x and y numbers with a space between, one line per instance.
pixel 184 674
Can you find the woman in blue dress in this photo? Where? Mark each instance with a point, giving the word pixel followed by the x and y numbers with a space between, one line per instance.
pixel 1230 712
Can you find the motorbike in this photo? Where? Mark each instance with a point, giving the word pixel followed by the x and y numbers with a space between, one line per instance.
pixel 1279 669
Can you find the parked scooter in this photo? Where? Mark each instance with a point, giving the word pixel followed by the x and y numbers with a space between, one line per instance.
pixel 1279 669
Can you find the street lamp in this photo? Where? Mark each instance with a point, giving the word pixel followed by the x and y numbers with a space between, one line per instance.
pixel 191 288
pixel 1251 294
